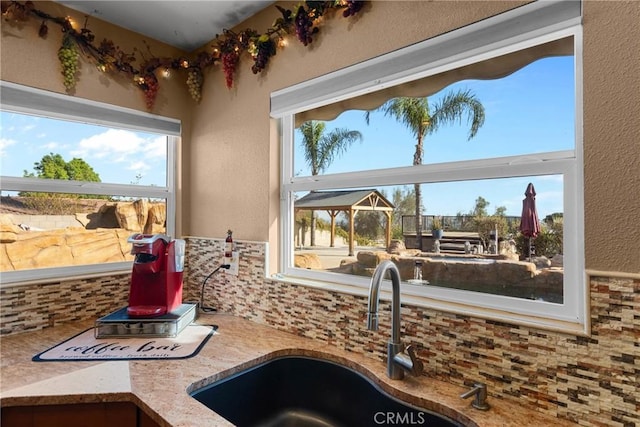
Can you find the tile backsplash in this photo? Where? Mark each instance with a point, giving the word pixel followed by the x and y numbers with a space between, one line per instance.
pixel 594 381
pixel 33 307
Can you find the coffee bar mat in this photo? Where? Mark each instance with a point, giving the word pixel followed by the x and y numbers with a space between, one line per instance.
pixel 86 347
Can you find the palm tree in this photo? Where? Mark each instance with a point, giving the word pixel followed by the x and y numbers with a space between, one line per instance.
pixel 321 149
pixel 416 115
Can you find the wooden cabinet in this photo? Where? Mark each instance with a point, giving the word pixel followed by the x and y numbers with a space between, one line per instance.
pixel 111 414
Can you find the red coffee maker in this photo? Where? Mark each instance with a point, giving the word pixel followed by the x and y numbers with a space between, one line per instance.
pixel 156 280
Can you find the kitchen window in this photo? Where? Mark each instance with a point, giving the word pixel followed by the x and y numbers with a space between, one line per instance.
pixel 76 174
pixel 474 186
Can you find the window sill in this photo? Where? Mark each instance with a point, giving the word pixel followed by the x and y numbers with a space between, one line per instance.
pixel 50 275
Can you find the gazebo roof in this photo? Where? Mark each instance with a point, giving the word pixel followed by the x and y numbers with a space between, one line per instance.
pixel 344 200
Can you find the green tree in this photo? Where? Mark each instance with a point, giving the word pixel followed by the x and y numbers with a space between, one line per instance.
pixel 480 210
pixel 404 202
pixel 421 120
pixel 501 211
pixel 53 166
pixel 484 224
pixel 320 149
pixel 368 225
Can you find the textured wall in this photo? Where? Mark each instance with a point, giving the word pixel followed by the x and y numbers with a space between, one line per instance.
pixel 612 134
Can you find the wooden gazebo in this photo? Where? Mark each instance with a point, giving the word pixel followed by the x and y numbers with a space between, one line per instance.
pixel 351 202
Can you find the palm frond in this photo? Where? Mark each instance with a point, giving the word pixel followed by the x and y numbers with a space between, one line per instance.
pixel 319 149
pixel 453 106
pixel 334 144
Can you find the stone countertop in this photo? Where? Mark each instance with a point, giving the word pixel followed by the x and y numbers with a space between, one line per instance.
pixel 159 387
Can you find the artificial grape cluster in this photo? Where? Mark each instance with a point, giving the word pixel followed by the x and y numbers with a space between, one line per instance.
pixel 68 57
pixel 265 48
pixel 43 30
pixel 304 26
pixel 194 83
pixel 150 87
pixel 353 7
pixel 229 63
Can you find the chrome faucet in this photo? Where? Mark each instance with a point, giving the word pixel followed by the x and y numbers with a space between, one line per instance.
pixel 397 359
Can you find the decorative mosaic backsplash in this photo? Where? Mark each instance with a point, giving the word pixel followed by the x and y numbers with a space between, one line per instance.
pixel 594 381
pixel 33 307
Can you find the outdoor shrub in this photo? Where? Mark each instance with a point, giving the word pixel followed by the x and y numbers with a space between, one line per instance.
pixel 486 225
pixel 548 243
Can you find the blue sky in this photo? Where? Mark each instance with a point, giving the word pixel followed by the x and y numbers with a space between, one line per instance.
pixel 117 155
pixel 531 110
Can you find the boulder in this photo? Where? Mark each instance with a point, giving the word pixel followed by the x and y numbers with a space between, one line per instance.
pixel 557 260
pixel 307 260
pixel 541 262
pixel 105 217
pixel 156 219
pixel 508 249
pixel 65 247
pixel 8 230
pixel 396 247
pixel 132 216
pixel 370 259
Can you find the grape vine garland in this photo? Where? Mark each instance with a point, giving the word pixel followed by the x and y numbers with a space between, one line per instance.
pixel 228 47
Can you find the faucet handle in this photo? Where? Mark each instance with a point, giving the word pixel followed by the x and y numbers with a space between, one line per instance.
pixel 417 366
pixel 409 361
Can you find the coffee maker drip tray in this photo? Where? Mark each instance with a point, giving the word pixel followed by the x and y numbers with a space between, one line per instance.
pixel 121 324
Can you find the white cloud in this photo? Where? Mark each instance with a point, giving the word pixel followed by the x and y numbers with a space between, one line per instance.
pixel 50 146
pixel 156 147
pixel 139 166
pixel 4 143
pixel 114 144
pixel 123 150
pixel 120 146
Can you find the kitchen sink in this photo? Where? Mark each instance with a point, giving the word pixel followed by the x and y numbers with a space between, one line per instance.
pixel 297 391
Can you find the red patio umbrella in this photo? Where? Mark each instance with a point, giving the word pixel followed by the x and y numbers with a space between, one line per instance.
pixel 529 223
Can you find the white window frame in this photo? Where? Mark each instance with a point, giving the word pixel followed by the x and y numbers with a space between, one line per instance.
pixel 32 101
pixel 518 29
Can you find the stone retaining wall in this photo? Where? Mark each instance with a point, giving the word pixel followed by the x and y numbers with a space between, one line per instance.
pixel 494 274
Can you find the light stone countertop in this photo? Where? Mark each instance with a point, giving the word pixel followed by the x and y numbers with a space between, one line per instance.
pixel 159 387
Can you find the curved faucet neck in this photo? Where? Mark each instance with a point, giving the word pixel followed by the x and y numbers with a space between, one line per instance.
pixel 374 296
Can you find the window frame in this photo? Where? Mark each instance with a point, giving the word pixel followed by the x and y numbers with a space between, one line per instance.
pixel 518 29
pixel 27 100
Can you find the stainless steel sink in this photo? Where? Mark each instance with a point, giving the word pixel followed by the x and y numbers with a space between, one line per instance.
pixel 300 391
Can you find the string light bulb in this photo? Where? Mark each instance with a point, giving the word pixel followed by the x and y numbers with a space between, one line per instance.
pixel 166 73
